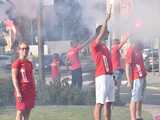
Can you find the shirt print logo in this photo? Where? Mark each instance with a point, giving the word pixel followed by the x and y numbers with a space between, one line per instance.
pixel 136 54
pixel 106 63
pixel 71 53
pixel 23 73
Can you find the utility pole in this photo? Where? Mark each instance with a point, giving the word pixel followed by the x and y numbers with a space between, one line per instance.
pixel 41 53
pixel 159 54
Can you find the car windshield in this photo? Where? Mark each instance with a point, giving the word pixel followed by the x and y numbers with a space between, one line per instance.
pixel 47 59
pixel 151 52
pixel 4 58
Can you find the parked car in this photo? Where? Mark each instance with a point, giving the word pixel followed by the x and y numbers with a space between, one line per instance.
pixel 47 63
pixel 5 61
pixel 151 60
pixel 5 67
pixel 146 53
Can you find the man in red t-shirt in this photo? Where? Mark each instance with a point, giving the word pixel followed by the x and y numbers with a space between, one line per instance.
pixel 23 82
pixel 103 82
pixel 116 64
pixel 74 62
pixel 136 74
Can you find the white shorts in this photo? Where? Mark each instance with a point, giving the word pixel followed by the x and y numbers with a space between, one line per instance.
pixel 105 88
pixel 137 93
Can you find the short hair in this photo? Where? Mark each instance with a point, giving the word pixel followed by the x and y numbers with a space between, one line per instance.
pixel 98 29
pixel 137 43
pixel 116 40
pixel 74 42
pixel 23 42
pixel 55 55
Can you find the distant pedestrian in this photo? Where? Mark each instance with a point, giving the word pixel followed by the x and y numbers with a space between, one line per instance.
pixel 55 69
pixel 117 66
pixel 74 61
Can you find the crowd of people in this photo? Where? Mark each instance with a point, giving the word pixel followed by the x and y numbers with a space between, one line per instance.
pixel 108 74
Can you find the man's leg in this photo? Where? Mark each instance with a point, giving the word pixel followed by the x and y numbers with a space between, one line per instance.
pixel 26 114
pixel 117 91
pixel 118 77
pixel 107 111
pixel 97 111
pixel 79 81
pixel 139 110
pixel 132 110
pixel 73 79
pixel 142 84
pixel 19 115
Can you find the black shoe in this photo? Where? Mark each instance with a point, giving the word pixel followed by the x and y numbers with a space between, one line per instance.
pixel 139 119
pixel 119 103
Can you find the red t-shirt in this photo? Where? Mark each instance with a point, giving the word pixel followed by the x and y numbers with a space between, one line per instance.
pixel 55 68
pixel 135 59
pixel 25 74
pixel 102 58
pixel 73 56
pixel 26 84
pixel 116 64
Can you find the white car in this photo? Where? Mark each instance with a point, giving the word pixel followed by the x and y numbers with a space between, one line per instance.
pixel 5 61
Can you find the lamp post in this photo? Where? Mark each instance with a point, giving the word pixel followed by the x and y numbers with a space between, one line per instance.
pixel 159 53
pixel 41 53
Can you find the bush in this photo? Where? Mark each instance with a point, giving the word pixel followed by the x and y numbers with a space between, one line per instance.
pixel 53 95
pixel 6 93
pixel 67 96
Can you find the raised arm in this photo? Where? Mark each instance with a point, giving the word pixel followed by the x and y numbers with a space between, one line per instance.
pixel 84 43
pixel 103 28
pixel 125 38
pixel 101 33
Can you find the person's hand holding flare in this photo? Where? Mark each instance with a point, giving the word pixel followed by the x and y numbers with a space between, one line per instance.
pixel 109 13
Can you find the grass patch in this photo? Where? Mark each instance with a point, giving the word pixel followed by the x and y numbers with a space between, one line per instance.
pixel 68 113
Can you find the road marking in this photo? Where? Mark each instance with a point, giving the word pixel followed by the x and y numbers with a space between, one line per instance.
pixel 153 88
pixel 124 83
pixel 124 93
pixel 156 94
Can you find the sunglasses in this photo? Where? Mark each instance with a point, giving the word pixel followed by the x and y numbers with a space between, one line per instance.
pixel 25 48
